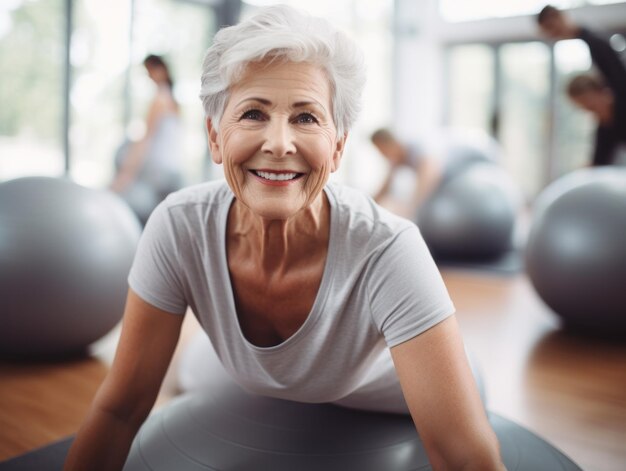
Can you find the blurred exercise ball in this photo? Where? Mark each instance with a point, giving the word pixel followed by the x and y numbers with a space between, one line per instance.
pixel 142 199
pixel 154 181
pixel 576 251
pixel 459 148
pixel 471 216
pixel 65 253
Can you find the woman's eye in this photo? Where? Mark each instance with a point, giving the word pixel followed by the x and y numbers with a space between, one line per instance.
pixel 255 115
pixel 306 118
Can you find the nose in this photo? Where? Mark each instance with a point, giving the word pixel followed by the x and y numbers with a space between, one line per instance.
pixel 279 139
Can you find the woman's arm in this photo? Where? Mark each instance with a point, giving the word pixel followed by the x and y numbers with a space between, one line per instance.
pixel 383 192
pixel 444 401
pixel 429 172
pixel 123 401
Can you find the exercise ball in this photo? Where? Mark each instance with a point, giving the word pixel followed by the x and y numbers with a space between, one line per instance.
pixel 226 428
pixel 65 253
pixel 471 216
pixel 154 181
pixel 576 250
pixel 459 148
pixel 142 199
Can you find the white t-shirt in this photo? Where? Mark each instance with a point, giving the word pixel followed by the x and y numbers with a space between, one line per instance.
pixel 380 287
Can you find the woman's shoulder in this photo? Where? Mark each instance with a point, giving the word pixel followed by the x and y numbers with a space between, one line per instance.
pixel 358 213
pixel 193 210
pixel 206 193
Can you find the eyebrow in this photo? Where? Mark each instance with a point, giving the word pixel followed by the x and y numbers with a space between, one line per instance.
pixel 260 100
pixel 298 104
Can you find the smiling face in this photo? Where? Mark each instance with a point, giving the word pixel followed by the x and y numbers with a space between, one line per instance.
pixel 277 139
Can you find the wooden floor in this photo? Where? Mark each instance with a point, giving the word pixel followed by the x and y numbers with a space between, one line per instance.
pixel 571 391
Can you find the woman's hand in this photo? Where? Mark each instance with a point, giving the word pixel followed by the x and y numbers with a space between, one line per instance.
pixel 443 398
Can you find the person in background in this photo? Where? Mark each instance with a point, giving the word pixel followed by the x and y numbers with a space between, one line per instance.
pixel 432 163
pixel 604 96
pixel 150 168
pixel 427 173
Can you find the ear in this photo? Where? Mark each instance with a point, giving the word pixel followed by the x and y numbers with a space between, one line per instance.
pixel 213 139
pixel 338 153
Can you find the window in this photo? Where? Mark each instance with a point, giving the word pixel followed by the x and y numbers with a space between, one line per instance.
pixel 31 115
pixel 99 56
pixel 462 10
pixel 505 90
pixel 471 84
pixel 524 113
pixel 573 130
pixel 102 98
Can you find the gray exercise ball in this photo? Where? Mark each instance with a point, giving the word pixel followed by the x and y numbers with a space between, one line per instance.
pixel 225 428
pixel 471 216
pixel 576 249
pixel 464 149
pixel 142 199
pixel 65 253
pixel 459 148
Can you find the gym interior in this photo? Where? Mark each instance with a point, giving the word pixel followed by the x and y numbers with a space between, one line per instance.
pixel 530 239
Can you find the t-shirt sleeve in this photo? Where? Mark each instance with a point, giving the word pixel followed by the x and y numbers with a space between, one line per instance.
pixel 406 292
pixel 155 274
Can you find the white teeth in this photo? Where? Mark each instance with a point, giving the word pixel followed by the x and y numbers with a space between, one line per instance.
pixel 276 176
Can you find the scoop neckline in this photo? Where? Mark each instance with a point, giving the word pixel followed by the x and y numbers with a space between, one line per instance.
pixel 320 297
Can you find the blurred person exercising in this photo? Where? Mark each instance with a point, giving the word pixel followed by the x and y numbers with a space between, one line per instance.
pixel 603 96
pixel 154 160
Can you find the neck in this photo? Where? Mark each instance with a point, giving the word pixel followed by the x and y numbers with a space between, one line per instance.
pixel 277 244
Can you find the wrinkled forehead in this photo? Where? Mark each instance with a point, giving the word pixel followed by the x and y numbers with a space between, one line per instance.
pixel 275 63
pixel 282 78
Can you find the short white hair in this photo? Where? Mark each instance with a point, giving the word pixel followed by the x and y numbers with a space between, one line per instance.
pixel 286 34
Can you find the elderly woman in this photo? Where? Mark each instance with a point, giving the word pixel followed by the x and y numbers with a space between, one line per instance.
pixel 307 290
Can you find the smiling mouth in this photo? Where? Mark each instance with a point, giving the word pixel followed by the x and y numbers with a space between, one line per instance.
pixel 277 176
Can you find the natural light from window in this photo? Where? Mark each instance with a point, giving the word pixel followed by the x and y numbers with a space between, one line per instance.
pixel 461 10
